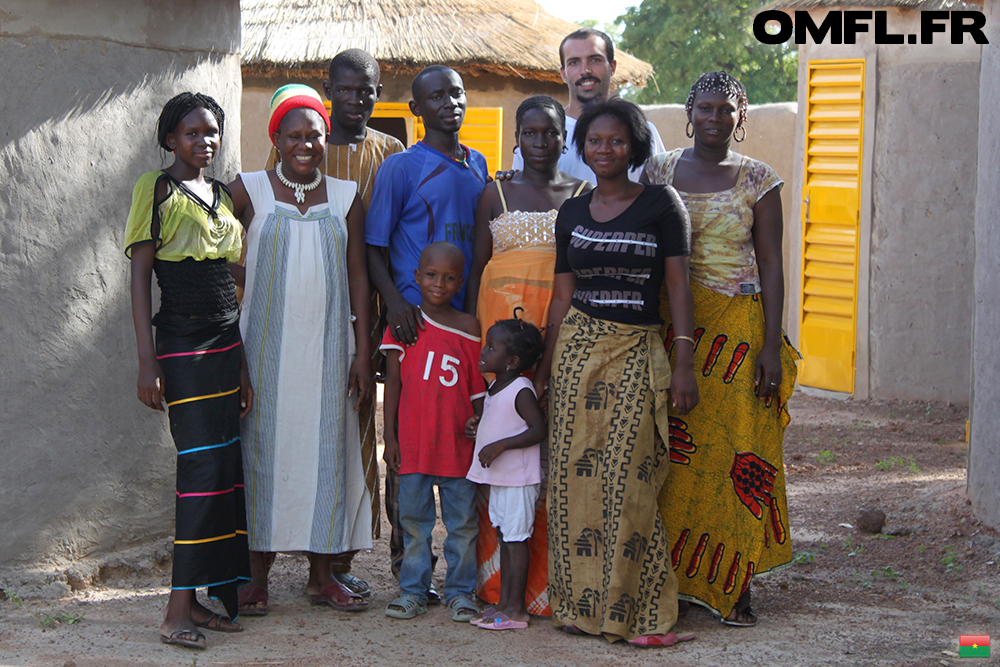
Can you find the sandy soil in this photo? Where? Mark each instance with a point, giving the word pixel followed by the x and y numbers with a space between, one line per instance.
pixel 852 598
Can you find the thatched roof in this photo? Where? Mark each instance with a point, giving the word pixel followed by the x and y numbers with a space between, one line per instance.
pixel 506 37
pixel 907 4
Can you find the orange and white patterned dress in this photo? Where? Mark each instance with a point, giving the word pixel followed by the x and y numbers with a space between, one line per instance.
pixel 520 274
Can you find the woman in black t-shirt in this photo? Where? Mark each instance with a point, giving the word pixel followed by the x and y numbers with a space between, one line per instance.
pixel 609 566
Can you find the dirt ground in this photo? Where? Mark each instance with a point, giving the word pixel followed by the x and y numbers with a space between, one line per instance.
pixel 851 598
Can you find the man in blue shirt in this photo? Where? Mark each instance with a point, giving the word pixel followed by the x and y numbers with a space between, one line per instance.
pixel 425 194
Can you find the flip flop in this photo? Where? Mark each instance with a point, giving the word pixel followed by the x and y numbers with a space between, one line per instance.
pixel 251 598
pixel 176 638
pixel 485 615
pixel 503 622
pixel 215 624
pixel 340 597
pixel 571 629
pixel 355 584
pixel 659 641
pixel 744 613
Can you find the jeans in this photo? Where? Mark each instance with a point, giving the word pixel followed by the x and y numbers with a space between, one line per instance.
pixel 417 517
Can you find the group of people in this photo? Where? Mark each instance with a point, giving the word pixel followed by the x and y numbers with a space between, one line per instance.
pixel 624 302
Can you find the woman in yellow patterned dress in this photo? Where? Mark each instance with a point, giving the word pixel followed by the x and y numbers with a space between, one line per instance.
pixel 513 266
pixel 724 502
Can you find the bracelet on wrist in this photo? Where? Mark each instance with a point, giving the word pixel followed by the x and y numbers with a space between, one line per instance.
pixel 684 338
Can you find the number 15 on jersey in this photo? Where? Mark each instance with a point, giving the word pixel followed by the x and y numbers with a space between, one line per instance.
pixel 449 366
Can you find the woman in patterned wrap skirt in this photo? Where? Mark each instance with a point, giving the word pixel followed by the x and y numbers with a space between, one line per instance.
pixel 609 565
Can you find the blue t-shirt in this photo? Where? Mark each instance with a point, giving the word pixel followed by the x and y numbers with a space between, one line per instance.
pixel 422 196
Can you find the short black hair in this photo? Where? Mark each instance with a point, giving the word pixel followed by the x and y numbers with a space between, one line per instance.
pixel 444 249
pixel 355 60
pixel 540 102
pixel 521 339
pixel 181 105
pixel 629 115
pixel 418 80
pixel 587 33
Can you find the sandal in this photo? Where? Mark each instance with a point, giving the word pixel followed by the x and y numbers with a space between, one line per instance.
pixel 485 615
pixel 659 641
pixel 502 622
pixel 340 597
pixel 571 629
pixel 405 607
pixel 741 618
pixel 742 615
pixel 355 584
pixel 185 638
pixel 462 609
pixel 253 600
pixel 215 623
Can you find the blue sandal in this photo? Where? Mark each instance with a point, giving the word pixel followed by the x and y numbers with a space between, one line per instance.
pixel 405 607
pixel 462 609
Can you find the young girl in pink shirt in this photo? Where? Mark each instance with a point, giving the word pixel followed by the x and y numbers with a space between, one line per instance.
pixel 507 457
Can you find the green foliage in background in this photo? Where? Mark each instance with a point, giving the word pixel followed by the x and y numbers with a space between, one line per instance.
pixel 683 39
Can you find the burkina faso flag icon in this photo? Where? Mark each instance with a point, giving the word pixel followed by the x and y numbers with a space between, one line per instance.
pixel 974 646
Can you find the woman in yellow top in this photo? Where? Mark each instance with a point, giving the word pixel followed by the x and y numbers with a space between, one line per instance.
pixel 724 502
pixel 181 225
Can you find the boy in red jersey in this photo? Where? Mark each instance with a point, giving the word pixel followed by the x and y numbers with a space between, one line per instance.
pixel 432 389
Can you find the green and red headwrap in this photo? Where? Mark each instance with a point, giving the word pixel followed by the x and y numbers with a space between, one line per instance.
pixel 294 96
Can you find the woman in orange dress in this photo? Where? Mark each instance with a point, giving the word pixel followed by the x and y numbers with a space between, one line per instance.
pixel 513 266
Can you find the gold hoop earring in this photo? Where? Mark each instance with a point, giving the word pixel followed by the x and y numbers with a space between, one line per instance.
pixel 739 139
pixel 689 130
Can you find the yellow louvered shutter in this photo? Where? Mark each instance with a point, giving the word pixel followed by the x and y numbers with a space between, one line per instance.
pixel 481 129
pixel 831 223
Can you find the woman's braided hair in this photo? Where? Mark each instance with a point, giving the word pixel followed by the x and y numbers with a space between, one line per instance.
pixel 541 102
pixel 180 106
pixel 721 82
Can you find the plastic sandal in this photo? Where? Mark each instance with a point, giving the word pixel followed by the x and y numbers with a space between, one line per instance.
pixel 659 641
pixel 340 597
pixel 485 615
pixel 185 638
pixel 253 600
pixel 462 609
pixel 502 622
pixel 219 623
pixel 355 584
pixel 405 607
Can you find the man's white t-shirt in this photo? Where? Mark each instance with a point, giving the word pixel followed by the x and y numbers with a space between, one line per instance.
pixel 571 163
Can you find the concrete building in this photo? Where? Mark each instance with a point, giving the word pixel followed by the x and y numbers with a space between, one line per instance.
pixel 505 50
pixel 87 468
pixel 984 444
pixel 883 208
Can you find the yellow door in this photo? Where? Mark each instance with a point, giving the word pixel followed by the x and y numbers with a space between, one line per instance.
pixel 481 129
pixel 831 222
